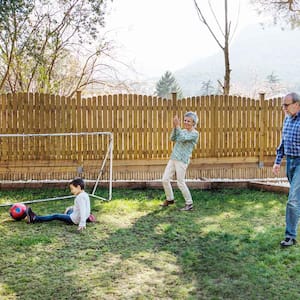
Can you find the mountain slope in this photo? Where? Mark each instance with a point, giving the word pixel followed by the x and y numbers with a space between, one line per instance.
pixel 254 55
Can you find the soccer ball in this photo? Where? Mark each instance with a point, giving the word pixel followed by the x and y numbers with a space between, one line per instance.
pixel 18 211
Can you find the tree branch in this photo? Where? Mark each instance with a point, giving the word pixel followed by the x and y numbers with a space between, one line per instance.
pixel 290 3
pixel 203 20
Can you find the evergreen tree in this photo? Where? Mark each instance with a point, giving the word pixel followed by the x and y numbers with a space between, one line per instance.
pixel 207 87
pixel 167 85
pixel 273 85
pixel 273 78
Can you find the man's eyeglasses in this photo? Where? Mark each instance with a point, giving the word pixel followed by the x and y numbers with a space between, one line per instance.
pixel 286 105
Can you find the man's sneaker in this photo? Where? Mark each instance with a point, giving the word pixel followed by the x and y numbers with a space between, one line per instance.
pixel 187 207
pixel 167 203
pixel 30 215
pixel 288 242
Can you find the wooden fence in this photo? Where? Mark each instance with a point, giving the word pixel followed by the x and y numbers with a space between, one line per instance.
pixel 238 136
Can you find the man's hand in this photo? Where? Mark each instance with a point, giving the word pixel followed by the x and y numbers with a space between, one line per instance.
pixel 276 169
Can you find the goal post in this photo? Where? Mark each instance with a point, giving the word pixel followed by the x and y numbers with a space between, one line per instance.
pixel 58 158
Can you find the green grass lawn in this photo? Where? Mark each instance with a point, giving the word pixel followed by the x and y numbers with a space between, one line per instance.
pixel 227 248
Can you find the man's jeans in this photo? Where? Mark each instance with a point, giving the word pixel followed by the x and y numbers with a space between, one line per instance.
pixel 293 204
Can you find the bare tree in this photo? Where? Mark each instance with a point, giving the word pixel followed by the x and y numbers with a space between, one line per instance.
pixel 223 41
pixel 283 12
pixel 293 5
pixel 53 46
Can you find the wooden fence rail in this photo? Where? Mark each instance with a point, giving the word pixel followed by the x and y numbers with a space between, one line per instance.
pixel 234 131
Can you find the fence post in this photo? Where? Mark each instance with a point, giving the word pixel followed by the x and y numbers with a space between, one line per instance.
pixel 78 95
pixel 262 127
pixel 174 96
pixel 214 100
pixel 78 108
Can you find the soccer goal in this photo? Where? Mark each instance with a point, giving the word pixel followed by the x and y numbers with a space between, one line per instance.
pixel 55 159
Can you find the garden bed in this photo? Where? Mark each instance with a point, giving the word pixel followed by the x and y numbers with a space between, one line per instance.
pixel 268 184
pixel 272 185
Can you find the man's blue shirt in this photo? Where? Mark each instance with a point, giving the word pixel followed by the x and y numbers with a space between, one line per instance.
pixel 290 140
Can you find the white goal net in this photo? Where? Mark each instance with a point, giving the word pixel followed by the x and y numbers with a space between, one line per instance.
pixel 55 159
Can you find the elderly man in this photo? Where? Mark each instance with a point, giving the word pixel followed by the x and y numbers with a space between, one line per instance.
pixel 290 148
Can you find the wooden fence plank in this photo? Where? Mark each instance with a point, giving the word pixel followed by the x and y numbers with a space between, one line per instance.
pixel 228 126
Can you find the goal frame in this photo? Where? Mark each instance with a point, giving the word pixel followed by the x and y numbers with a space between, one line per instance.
pixel 108 156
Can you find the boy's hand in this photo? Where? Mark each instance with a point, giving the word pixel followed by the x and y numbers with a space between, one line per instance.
pixel 81 228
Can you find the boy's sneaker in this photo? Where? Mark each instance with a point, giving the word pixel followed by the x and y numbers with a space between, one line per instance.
pixel 167 203
pixel 187 207
pixel 30 215
pixel 288 242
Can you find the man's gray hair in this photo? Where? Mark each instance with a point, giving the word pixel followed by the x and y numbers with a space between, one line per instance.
pixel 191 114
pixel 295 97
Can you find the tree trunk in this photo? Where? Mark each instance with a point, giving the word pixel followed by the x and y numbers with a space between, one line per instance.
pixel 226 87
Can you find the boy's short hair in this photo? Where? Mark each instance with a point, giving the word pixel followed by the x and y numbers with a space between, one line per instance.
pixel 78 182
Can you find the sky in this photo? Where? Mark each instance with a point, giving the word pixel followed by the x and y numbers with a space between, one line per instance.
pixel 159 35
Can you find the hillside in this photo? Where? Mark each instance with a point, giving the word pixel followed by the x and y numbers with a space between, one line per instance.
pixel 255 54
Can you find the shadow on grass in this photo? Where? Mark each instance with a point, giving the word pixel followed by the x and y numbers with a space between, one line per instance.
pixel 227 248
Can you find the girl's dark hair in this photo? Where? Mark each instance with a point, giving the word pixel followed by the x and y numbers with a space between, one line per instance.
pixel 78 182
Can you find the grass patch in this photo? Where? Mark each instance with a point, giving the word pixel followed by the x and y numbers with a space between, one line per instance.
pixel 227 248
